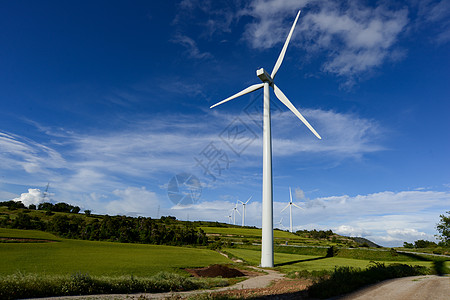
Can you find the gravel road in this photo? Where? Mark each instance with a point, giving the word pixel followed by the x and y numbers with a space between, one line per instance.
pixel 406 288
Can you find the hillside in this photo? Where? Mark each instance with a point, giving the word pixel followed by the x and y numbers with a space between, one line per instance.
pixel 67 222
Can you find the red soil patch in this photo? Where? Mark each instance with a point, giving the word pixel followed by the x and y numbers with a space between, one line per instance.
pixel 216 271
pixel 281 289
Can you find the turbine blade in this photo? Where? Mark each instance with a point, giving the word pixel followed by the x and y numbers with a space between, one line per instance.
pixel 238 212
pixel 289 105
pixel 243 92
pixel 283 51
pixel 290 194
pixel 297 206
pixel 249 199
pixel 285 207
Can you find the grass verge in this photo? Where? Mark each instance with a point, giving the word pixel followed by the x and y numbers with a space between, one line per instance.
pixel 18 286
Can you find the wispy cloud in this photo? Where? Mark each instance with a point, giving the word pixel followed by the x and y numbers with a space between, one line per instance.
pixel 191 47
pixel 28 155
pixel 120 173
pixel 147 150
pixel 436 14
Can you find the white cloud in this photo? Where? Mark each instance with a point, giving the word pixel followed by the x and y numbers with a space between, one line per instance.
pixel 348 230
pixel 299 194
pixel 34 196
pixel 354 37
pixel 134 201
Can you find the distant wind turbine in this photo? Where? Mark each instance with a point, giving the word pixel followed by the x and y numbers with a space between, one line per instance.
pixel 290 204
pixel 267 210
pixel 243 210
pixel 281 223
pixel 235 210
pixel 229 218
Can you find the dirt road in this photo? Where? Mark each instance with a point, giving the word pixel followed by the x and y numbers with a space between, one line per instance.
pixel 407 288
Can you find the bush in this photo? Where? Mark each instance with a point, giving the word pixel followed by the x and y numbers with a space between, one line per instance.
pixel 30 286
pixel 347 279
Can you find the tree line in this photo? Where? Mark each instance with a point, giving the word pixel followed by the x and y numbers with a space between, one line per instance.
pixel 167 230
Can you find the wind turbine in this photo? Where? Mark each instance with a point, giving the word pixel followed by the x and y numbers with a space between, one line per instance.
pixel 243 210
pixel 267 210
pixel 235 210
pixel 281 223
pixel 229 218
pixel 290 209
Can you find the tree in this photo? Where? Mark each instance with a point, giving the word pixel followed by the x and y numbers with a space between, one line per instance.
pixel 424 244
pixel 408 245
pixel 443 227
pixel 45 206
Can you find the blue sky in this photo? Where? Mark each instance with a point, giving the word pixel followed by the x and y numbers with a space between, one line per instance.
pixel 109 100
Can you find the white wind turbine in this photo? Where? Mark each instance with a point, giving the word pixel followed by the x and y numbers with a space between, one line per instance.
pixel 281 223
pixel 235 210
pixel 290 204
pixel 243 210
pixel 229 218
pixel 267 210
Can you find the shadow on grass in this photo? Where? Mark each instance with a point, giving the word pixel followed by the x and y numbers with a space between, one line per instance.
pixel 416 256
pixel 298 261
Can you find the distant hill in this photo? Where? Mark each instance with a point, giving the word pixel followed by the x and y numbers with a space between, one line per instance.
pixel 365 242
pixel 65 221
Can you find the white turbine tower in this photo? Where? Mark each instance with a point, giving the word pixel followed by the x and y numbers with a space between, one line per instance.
pixel 290 204
pixel 243 210
pixel 267 209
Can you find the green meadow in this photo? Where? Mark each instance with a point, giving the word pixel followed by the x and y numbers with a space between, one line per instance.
pixel 287 262
pixel 97 258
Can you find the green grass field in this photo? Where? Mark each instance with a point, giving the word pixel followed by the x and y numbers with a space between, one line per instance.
pixel 294 262
pixel 97 258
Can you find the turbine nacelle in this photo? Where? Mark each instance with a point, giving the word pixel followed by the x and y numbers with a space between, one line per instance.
pixel 264 76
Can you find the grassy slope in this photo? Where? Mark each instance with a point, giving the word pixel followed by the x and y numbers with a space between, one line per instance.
pixel 98 258
pixel 27 234
pixel 236 234
pixel 292 262
pixel 248 232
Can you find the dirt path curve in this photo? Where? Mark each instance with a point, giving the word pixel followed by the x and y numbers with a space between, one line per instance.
pixel 250 283
pixel 406 288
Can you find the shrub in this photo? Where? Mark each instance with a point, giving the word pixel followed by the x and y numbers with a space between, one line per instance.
pixel 347 279
pixel 31 285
